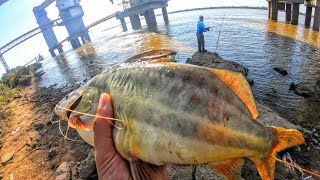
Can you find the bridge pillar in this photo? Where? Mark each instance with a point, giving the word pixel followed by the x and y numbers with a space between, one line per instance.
pixel 75 43
pixel 295 13
pixel 274 10
pixel 135 21
pixel 288 12
pixel 60 49
pixel 308 16
pixel 71 14
pixel 269 10
pixel 316 20
pixel 165 14
pixel 53 54
pixel 45 25
pixel 150 18
pixel 123 24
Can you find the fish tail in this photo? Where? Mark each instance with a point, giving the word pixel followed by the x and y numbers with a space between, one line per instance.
pixel 286 138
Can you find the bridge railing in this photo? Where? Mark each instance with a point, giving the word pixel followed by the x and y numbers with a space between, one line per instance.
pixel 26 36
pixel 102 20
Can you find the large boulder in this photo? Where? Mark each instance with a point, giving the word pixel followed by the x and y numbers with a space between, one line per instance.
pixel 213 60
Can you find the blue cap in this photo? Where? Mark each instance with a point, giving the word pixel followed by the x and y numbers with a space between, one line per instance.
pixel 200 17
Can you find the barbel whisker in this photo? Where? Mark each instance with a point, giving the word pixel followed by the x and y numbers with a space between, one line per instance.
pixel 51 117
pixel 91 115
pixel 65 135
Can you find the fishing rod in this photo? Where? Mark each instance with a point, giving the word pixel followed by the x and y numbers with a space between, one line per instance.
pixel 220 31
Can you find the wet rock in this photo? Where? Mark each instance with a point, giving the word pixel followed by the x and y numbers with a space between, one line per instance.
pixel 281 70
pixel 318 83
pixel 315 141
pixel 52 153
pixel 88 166
pixel 301 90
pixel 63 172
pixel 213 60
pixel 250 81
pixel 39 73
pixel 38 126
pixel 33 141
pixel 6 157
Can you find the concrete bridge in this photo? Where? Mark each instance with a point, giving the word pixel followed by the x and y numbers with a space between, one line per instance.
pixel 292 11
pixel 71 14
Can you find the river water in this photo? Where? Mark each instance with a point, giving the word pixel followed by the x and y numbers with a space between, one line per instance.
pixel 246 37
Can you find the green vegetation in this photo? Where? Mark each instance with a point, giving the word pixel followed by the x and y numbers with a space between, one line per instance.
pixel 19 76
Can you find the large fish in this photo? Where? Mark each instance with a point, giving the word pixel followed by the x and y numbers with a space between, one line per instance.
pixel 181 114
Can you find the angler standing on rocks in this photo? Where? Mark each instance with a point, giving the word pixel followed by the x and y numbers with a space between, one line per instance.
pixel 200 29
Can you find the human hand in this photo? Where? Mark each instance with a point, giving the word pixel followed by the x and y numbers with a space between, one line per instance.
pixel 109 163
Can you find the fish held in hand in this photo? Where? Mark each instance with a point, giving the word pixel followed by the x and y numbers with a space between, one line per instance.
pixel 181 114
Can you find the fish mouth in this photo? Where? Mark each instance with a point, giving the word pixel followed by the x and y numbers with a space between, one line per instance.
pixel 73 106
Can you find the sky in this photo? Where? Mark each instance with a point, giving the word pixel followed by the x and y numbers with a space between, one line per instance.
pixel 16 18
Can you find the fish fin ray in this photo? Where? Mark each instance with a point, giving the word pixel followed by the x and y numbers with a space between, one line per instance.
pixel 230 169
pixel 76 123
pixel 286 138
pixel 146 171
pixel 239 85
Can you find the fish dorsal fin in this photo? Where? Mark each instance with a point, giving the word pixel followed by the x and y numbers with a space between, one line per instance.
pixel 230 169
pixel 161 55
pixel 239 85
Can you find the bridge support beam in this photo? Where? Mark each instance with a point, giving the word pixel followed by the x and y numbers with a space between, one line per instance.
pixel 295 13
pixel 288 12
pixel 4 63
pixel 269 10
pixel 123 24
pixel 150 18
pixel 135 21
pixel 165 15
pixel 274 10
pixel 75 43
pixel 308 16
pixel 316 20
pixel 60 49
pixel 53 54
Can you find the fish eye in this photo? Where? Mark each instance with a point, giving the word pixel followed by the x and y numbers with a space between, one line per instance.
pixel 73 106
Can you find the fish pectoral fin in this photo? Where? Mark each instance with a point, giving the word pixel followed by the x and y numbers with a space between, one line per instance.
pixel 146 171
pixel 230 169
pixel 239 85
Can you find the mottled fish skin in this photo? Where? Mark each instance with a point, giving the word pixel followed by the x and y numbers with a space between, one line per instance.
pixel 180 114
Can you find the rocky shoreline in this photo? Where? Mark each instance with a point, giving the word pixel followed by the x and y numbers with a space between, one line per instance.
pixel 36 147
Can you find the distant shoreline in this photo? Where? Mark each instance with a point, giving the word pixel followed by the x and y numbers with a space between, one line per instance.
pixel 229 7
pixel 222 7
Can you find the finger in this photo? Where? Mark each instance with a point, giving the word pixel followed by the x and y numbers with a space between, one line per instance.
pixel 102 128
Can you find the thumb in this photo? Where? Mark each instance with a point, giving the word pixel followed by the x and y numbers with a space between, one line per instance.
pixel 102 128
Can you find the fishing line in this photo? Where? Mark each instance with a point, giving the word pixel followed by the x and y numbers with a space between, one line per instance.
pixel 297 167
pixel 91 115
pixel 220 32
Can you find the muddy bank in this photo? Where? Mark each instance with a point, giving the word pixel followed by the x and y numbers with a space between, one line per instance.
pixel 41 152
